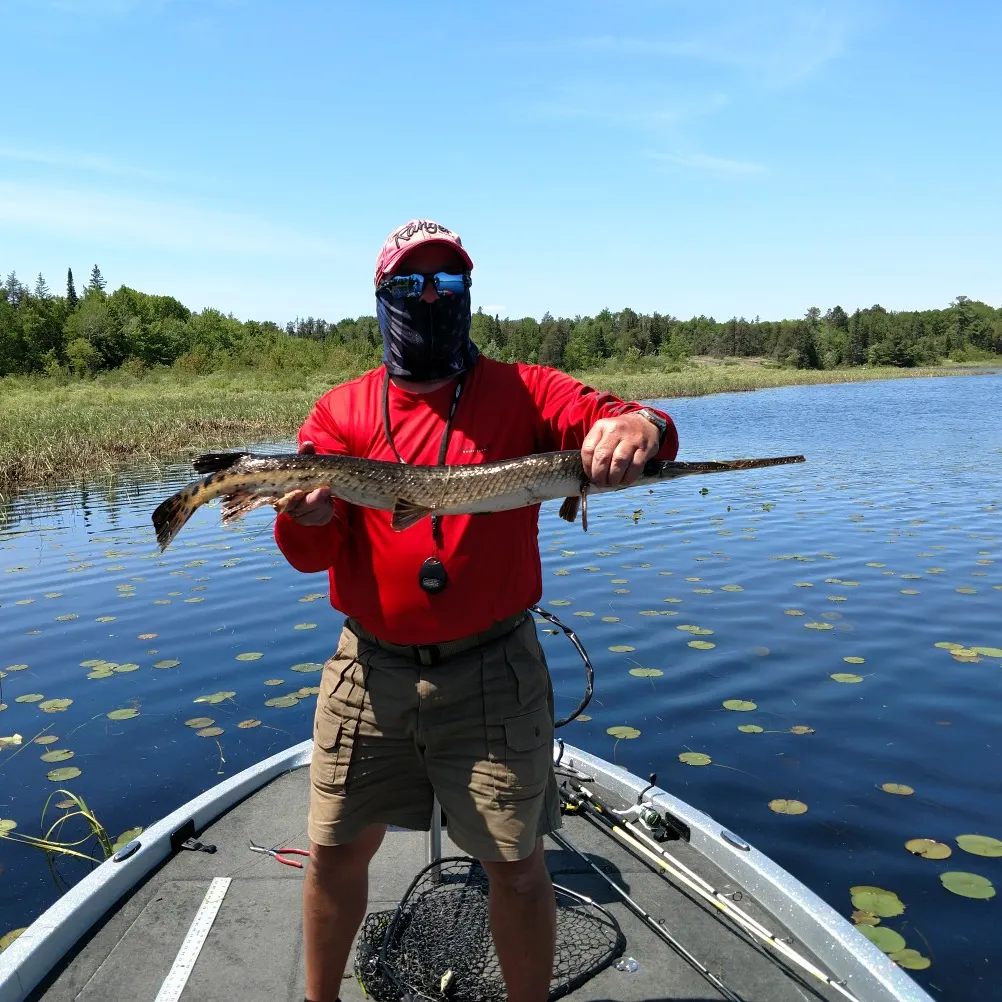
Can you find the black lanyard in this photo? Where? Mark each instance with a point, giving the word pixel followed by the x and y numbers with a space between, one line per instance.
pixel 443 448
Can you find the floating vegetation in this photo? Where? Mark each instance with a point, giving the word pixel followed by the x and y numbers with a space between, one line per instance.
pixel 877 901
pixel 742 705
pixel 621 648
pixel 209 732
pixel 125 713
pixel 788 806
pixel 621 732
pixel 793 612
pixel 899 789
pixel 55 705
pixel 694 758
pixel 928 848
pixel 167 663
pixel 883 938
pixel 215 697
pixel 980 845
pixel 247 724
pixel 696 631
pixel 701 645
pixel 57 755
pixel 818 626
pixel 199 722
pixel 646 672
pixel 847 677
pixel 968 885
pixel 853 660
pixel 801 729
pixel 751 728
pixel 249 656
pixel 610 619
pixel 30 697
pixel 282 701
pixel 307 666
pixel 64 774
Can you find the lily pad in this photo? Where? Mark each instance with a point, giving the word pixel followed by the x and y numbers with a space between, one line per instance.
pixel 701 645
pixel 928 848
pixel 841 676
pixel 198 722
pixel 282 701
pixel 62 775
pixel 623 732
pixel 883 938
pixel 55 705
pixel 247 724
pixel 646 672
pixel 818 626
pixel 307 666
pixel 215 697
pixel 125 713
pixel 6 825
pixel 788 806
pixel 621 648
pixel 877 901
pixel 125 838
pixel 910 959
pixel 980 845
pixel 249 656
pixel 900 789
pixel 751 728
pixel 30 697
pixel 124 669
pixel 8 937
pixel 988 652
pixel 968 885
pixel 801 729
pixel 57 755
pixel 167 663
pixel 694 758
pixel 739 704
pixel 209 732
pixel 852 660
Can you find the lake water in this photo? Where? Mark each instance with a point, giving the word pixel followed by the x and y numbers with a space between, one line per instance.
pixel 883 545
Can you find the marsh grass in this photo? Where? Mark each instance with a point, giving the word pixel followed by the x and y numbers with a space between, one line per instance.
pixel 59 432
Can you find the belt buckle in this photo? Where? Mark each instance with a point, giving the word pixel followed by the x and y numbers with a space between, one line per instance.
pixel 427 655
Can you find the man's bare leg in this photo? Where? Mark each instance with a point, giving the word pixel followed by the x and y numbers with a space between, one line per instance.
pixel 523 915
pixel 335 895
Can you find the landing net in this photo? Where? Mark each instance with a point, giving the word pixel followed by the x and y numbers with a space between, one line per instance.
pixel 436 944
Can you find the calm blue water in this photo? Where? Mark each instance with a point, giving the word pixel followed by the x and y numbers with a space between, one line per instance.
pixel 886 542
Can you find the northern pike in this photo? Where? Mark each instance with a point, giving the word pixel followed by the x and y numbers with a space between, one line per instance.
pixel 245 481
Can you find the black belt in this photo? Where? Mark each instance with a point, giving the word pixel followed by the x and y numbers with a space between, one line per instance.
pixel 431 654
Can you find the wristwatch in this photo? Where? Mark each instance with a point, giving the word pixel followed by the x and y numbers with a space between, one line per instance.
pixel 658 421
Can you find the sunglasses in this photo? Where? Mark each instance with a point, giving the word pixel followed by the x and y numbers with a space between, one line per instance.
pixel 411 286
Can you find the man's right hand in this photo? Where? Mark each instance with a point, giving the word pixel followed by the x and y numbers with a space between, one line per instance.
pixel 313 508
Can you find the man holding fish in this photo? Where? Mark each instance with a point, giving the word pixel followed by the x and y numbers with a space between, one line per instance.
pixel 439 686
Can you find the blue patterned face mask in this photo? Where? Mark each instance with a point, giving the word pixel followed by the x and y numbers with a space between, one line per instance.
pixel 426 341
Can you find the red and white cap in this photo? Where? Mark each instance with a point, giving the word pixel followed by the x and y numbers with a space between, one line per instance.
pixel 405 238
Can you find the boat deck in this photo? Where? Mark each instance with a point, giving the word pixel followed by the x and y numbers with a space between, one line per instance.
pixel 253 951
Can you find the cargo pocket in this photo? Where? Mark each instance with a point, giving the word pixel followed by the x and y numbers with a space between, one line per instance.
pixel 528 753
pixel 335 726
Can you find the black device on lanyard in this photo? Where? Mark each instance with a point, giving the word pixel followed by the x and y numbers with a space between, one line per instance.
pixel 432 577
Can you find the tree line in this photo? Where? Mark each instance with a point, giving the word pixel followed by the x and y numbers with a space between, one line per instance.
pixel 80 334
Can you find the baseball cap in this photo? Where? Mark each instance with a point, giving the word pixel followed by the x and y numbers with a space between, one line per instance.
pixel 412 234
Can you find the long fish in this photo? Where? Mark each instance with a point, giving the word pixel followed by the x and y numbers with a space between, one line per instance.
pixel 245 481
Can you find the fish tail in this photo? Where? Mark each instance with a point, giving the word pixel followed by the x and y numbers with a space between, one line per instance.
pixel 171 515
pixel 213 462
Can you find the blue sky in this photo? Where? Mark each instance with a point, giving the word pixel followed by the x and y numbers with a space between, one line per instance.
pixel 718 157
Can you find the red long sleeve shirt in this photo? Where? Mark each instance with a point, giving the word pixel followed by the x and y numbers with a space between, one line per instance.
pixel 492 561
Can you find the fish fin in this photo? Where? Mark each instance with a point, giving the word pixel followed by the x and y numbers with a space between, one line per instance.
pixel 239 503
pixel 569 509
pixel 584 508
pixel 213 462
pixel 170 516
pixel 407 513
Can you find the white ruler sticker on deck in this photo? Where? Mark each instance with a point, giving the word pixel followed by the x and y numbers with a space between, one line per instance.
pixel 184 962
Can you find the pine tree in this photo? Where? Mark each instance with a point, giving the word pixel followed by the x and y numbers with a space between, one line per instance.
pixel 42 288
pixel 97 282
pixel 71 292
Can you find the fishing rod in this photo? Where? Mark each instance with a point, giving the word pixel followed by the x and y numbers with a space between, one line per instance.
pixel 644 848
pixel 658 928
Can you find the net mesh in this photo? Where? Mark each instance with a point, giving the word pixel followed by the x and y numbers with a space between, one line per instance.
pixel 436 944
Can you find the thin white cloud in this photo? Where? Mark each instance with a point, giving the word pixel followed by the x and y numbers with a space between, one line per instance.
pixel 710 164
pixel 778 41
pixel 81 162
pixel 133 222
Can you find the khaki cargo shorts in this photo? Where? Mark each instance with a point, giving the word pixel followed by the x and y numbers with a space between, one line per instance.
pixel 475 730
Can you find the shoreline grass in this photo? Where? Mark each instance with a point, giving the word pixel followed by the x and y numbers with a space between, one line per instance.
pixel 60 433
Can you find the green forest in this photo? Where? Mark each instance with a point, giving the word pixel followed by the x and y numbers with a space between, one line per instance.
pixel 78 334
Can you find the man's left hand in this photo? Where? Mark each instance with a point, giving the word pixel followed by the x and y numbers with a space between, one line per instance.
pixel 615 450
